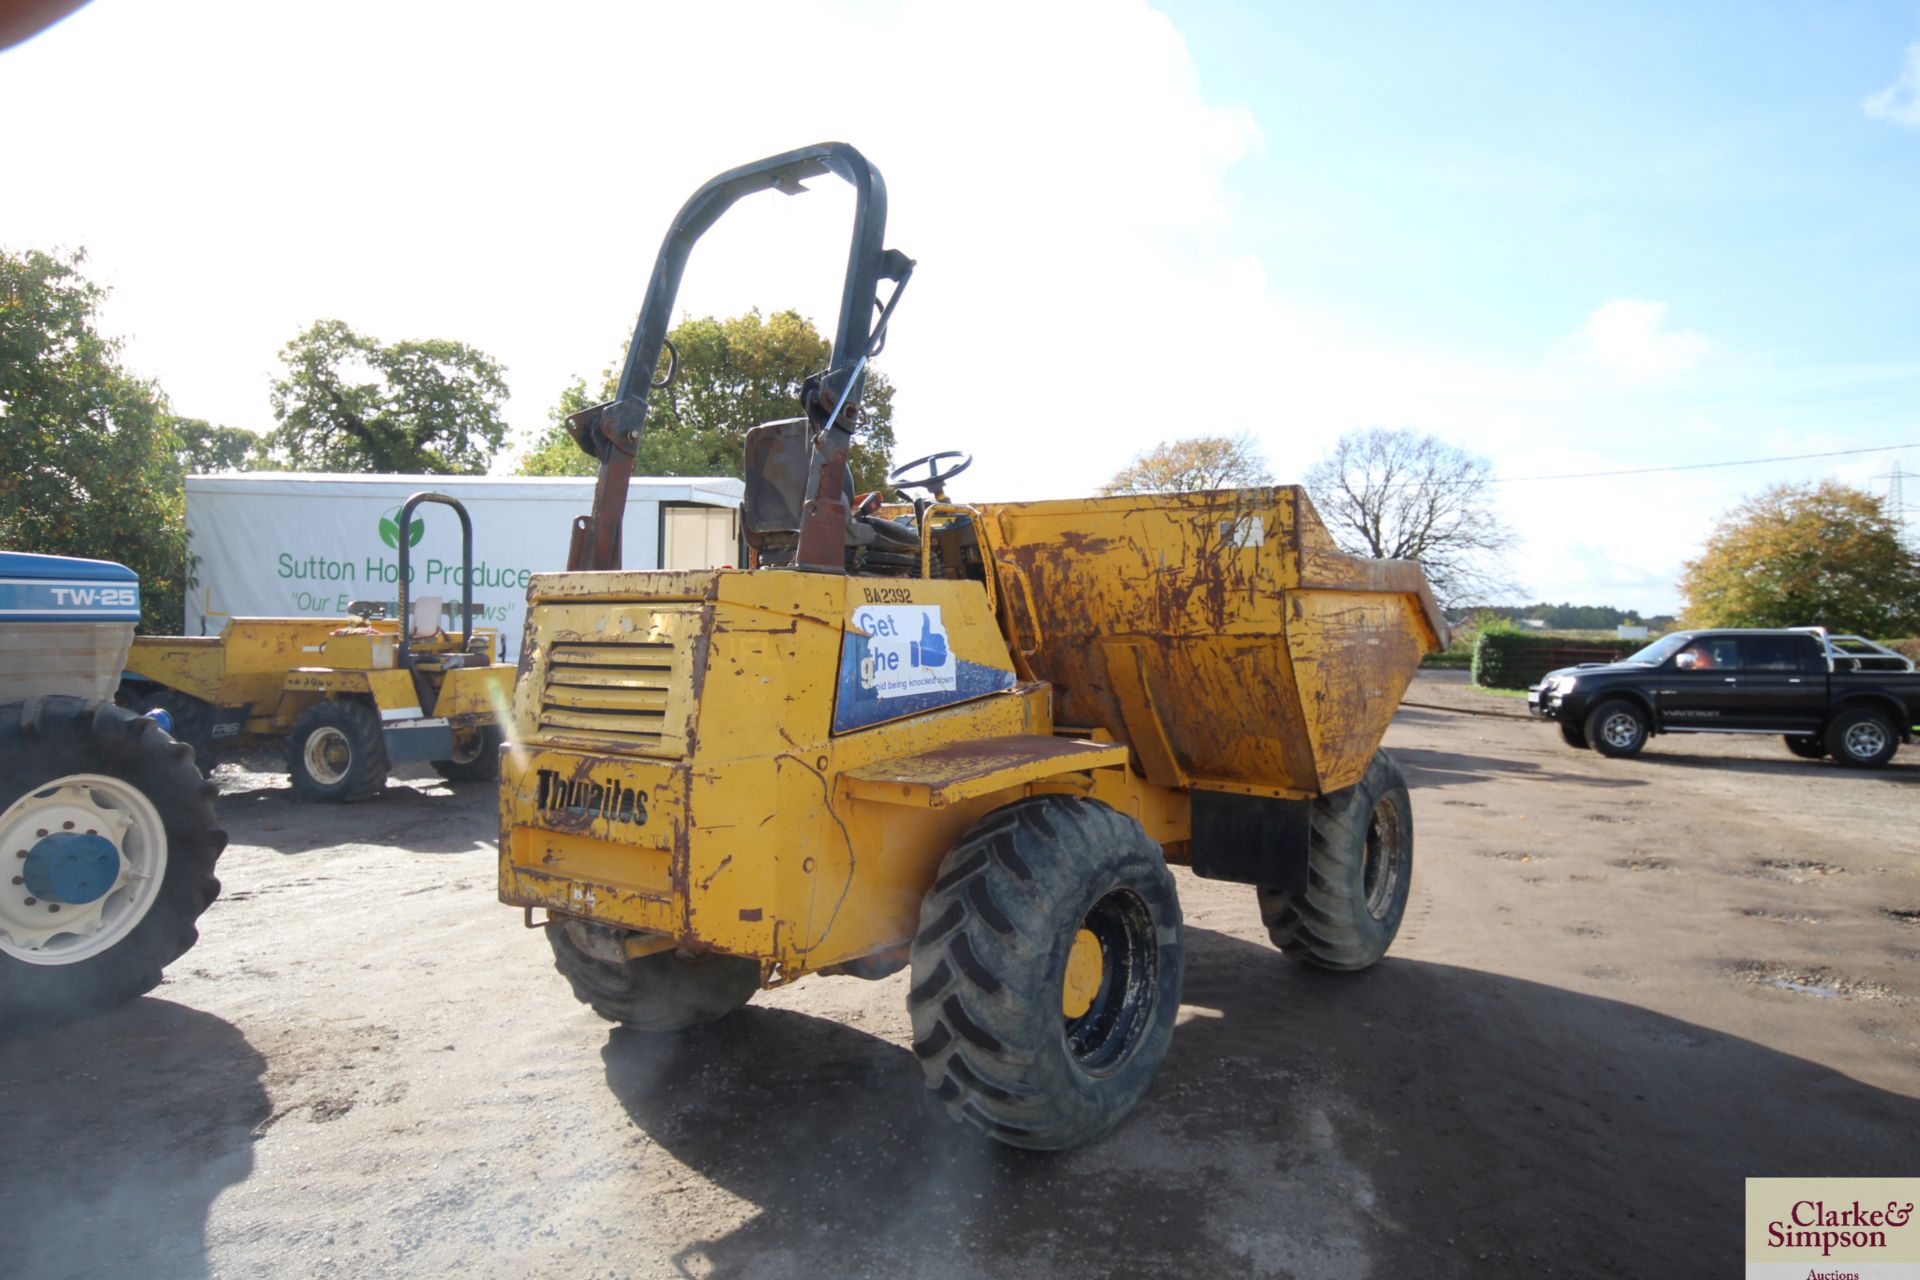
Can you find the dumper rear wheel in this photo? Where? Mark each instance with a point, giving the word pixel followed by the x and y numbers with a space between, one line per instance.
pixel 1046 972
pixel 665 991
pixel 476 756
pixel 1359 869
pixel 335 752
pixel 111 841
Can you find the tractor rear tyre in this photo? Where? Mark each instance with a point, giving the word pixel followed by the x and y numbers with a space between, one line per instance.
pixel 192 724
pixel 476 756
pixel 1573 735
pixel 335 752
pixel 1808 746
pixel 1359 872
pixel 1046 972
pixel 110 839
pixel 665 991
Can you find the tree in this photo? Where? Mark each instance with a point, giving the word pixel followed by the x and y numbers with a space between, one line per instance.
pixel 87 460
pixel 734 375
pixel 203 447
pixel 1193 465
pixel 1806 555
pixel 350 403
pixel 1404 495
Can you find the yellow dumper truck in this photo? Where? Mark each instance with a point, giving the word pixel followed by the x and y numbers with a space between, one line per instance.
pixel 349 696
pixel 961 740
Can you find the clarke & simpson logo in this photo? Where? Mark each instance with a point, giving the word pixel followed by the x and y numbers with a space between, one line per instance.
pixel 1832 1228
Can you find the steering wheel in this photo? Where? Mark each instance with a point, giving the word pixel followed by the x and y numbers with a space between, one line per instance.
pixel 935 477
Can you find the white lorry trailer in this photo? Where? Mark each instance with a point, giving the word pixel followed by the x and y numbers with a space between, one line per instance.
pixel 283 545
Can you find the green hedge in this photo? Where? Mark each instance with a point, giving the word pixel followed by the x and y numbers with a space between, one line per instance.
pixel 1508 660
pixel 1447 661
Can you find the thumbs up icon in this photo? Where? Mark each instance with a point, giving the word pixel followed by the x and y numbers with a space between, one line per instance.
pixel 929 650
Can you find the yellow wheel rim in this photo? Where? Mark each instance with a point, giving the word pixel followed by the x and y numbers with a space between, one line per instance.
pixel 1085 965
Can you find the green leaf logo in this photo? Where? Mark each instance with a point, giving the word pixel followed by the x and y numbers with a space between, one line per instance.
pixel 390 529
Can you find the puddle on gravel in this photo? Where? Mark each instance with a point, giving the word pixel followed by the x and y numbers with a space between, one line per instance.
pixel 1643 862
pixel 1903 915
pixel 1777 917
pixel 1821 983
pixel 1798 870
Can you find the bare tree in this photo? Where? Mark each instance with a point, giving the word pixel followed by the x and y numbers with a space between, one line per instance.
pixel 1405 495
pixel 1192 466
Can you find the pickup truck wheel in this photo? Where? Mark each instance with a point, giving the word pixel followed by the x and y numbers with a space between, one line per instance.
pixel 1572 735
pixel 1359 872
pixel 1617 728
pixel 1807 746
pixel 1046 972
pixel 1862 738
pixel 335 752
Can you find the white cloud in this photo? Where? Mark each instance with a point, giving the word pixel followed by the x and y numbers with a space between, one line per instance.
pixel 1630 337
pixel 1899 102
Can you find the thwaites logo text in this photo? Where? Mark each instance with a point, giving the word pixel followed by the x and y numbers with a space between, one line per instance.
pixel 612 800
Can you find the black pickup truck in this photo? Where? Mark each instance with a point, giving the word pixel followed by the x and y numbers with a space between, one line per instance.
pixel 1826 695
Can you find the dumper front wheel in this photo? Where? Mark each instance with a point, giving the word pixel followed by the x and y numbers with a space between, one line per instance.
pixel 1359 871
pixel 335 752
pixel 1046 972
pixel 664 991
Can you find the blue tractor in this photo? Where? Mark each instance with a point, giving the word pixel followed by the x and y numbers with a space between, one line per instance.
pixel 107 833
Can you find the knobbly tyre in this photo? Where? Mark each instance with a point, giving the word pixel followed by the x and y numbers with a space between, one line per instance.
pixel 964 740
pixel 107 832
pixel 348 697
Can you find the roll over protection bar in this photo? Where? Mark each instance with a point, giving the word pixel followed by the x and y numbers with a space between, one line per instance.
pixel 610 432
pixel 403 545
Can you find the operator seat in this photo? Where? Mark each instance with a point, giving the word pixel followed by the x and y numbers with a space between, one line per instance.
pixel 777 458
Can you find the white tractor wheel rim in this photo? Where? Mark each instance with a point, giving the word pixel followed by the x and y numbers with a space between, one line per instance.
pixel 1865 740
pixel 89 803
pixel 323 747
pixel 1620 729
pixel 468 746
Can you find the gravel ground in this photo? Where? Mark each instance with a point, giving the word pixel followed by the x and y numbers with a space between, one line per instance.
pixel 1622 987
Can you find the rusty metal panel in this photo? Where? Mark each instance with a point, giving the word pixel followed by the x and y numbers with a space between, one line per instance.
pixel 393 694
pixel 965 770
pixel 477 695
pixel 1168 621
pixel 194 665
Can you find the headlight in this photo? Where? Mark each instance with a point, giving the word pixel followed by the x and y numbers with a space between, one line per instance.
pixel 1565 684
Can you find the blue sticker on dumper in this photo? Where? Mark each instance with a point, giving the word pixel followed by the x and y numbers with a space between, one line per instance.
pixel 895 660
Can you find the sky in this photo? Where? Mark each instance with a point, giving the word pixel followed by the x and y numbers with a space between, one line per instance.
pixel 1568 238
